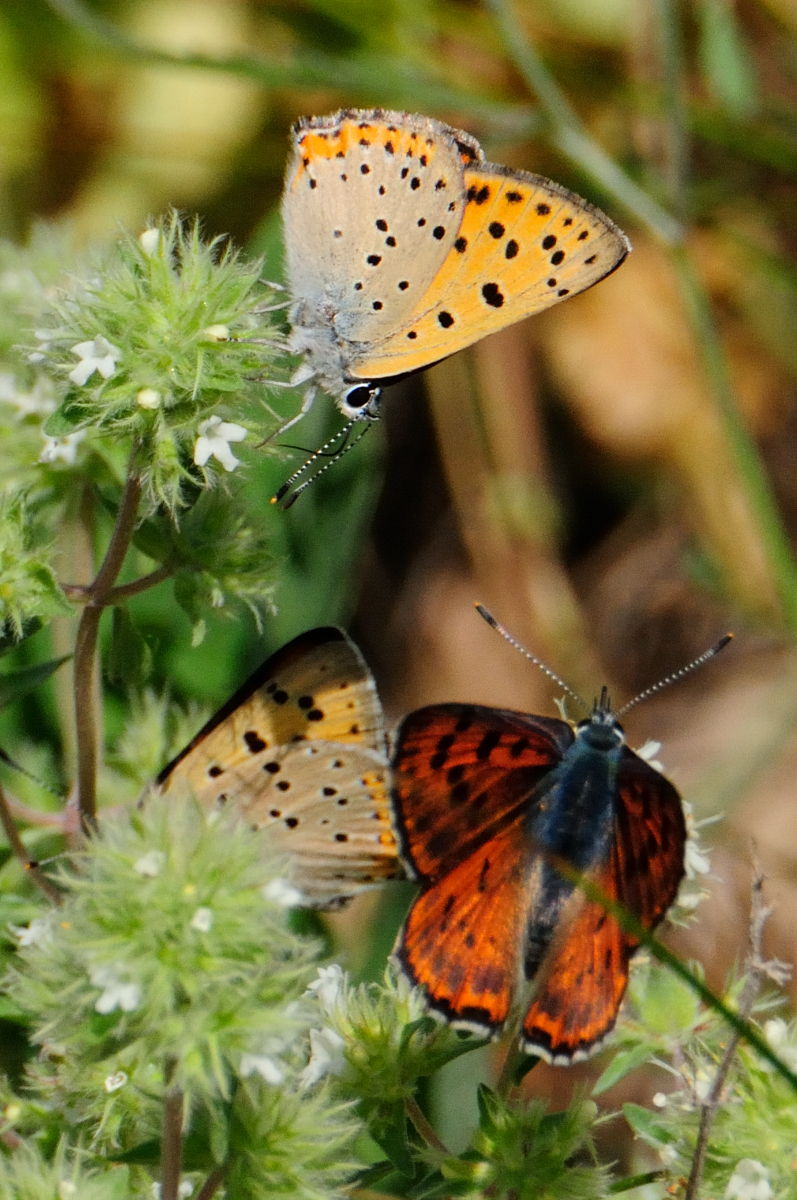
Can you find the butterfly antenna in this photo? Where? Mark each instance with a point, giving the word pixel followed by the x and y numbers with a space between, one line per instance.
pixel 490 619
pixel 321 452
pixel 668 679
pixel 344 449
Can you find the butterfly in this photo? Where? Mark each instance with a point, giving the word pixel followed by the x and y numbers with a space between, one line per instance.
pixel 300 751
pixel 486 802
pixel 403 245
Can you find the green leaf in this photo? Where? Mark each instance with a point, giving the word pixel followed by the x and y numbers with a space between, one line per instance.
pixel 522 1066
pixel 621 1065
pixel 64 420
pixel 130 657
pixel 667 1005
pixel 11 641
pixel 635 1181
pixel 646 1125
pixel 18 683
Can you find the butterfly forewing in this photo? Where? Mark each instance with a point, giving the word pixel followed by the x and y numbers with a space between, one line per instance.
pixel 524 244
pixel 373 201
pixel 299 752
pixel 460 773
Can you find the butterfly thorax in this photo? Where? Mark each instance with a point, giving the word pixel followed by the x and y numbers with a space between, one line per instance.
pixel 325 353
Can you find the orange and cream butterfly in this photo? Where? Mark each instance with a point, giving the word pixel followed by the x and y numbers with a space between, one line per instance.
pixel 404 245
pixel 300 751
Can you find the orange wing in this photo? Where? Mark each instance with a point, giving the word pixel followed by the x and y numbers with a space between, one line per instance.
pixel 523 244
pixel 461 772
pixel 463 938
pixel 586 969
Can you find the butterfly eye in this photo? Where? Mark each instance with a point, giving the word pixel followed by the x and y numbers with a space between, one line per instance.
pixel 362 396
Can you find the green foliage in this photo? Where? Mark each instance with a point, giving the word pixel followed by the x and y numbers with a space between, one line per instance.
pixel 28 1175
pixel 521 1151
pixel 28 586
pixel 165 335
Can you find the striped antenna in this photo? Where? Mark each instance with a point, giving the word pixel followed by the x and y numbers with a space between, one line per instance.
pixel 490 619
pixel 668 679
pixel 334 457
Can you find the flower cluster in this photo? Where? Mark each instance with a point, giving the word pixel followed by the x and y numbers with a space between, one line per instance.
pixel 166 331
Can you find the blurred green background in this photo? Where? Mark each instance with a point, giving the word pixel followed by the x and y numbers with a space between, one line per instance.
pixel 616 479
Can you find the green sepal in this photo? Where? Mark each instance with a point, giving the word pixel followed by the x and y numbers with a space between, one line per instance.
pixel 65 420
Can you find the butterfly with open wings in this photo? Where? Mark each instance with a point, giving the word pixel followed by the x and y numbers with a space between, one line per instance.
pixel 489 804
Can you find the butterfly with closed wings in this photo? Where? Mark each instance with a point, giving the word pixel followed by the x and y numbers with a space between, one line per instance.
pixel 300 752
pixel 403 245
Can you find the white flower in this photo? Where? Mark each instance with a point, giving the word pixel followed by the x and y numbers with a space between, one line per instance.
pixel 284 894
pixel 148 398
pixel 328 988
pixel 217 333
pixel 262 1065
pixel 114 1082
pixel 38 933
pixel 695 860
pixel 42 336
pixel 749 1181
pixel 149 241
pixel 96 355
pixel 202 920
pixel 649 752
pixel 115 993
pixel 659 1100
pixel 150 864
pixel 64 447
pixel 326 1057
pixel 214 440
pixel 37 403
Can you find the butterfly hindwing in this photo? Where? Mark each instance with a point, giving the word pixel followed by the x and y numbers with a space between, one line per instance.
pixel 460 772
pixel 372 204
pixel 462 940
pixel 524 244
pixel 585 972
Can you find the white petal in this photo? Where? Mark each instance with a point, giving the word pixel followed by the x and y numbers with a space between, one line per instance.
pixel 263 1066
pixel 150 864
pixel 209 425
pixel 202 920
pixel 114 1082
pixel 282 893
pixel 84 349
pixel 148 398
pixel 217 333
pixel 106 366
pixel 230 431
pixel 224 454
pixel 103 347
pixel 83 371
pixel 202 450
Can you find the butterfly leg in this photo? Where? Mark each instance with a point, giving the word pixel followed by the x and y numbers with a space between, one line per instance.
pixel 307 404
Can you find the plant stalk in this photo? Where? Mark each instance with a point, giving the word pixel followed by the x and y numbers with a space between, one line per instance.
pixel 172 1144
pixel 86 649
pixel 18 847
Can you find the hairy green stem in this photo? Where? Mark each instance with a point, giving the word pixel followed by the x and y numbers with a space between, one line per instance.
pixel 86 649
pixel 424 1128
